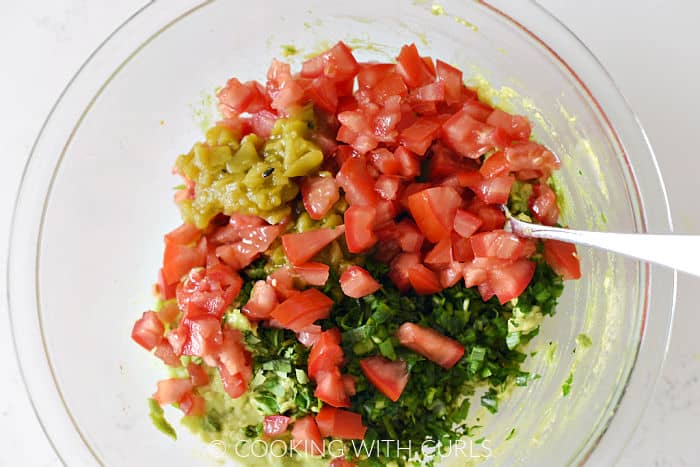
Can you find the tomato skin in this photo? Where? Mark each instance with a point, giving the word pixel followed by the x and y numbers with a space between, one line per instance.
pixel 434 346
pixel 466 223
pixel 389 377
pixel 531 156
pixel 301 247
pixel 302 309
pixel 423 280
pixel 498 244
pixel 331 389
pixel 198 375
pixel 306 437
pixel 477 110
pixel 356 282
pixel 495 190
pixel 517 126
pixel 319 195
pixel 434 210
pixel 359 225
pixel 412 68
pixel 312 273
pixel 325 354
pixel 282 281
pixel 179 259
pixel 509 281
pixel 172 390
pixel 148 330
pixel 419 136
pixel 340 423
pixel 309 335
pixel 495 165
pixel 184 235
pixel 193 405
pixel 263 300
pixel 275 425
pixel 357 183
pixel 399 267
pixel 543 204
pixel 563 258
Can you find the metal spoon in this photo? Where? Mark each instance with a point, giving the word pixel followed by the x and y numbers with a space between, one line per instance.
pixel 681 252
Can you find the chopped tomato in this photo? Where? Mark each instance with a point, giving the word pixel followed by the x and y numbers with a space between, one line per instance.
pixel 440 349
pixel 186 234
pixel 302 309
pixel 208 292
pixel 339 423
pixel 198 375
pixel 451 77
pixel 385 161
pixel 341 462
pixel 313 273
pixel 509 281
pixel 492 217
pixel 477 110
pixel 233 356
pixel 371 74
pixel 306 437
pixel 444 162
pixel 193 405
pixel 388 187
pixel 148 330
pixel 330 388
pixel 412 68
pixel 452 274
pixel 309 335
pixel 164 290
pixel 563 258
pixel 409 236
pixel 237 97
pixel 357 282
pixel 543 204
pixel 419 136
pixel 434 210
pixel 357 183
pixel 301 247
pixel 234 384
pixel 325 420
pixel 169 312
pixel 423 280
pixel 165 352
pixel 517 126
pixel 202 336
pixel 466 223
pixel 326 353
pixel 263 300
pixel 275 425
pixel 499 244
pixel 180 259
pixel 495 165
pixel 349 383
pixel 494 190
pixel 441 254
pixel 398 269
pixel 282 280
pixel 469 137
pixel 359 224
pixel 389 377
pixel 319 195
pixel 431 92
pixel 410 166
pixel 391 84
pixel 172 390
pixel 323 94
pixel 386 211
pixel 531 156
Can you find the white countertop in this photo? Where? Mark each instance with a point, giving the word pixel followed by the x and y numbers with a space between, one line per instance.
pixel 650 48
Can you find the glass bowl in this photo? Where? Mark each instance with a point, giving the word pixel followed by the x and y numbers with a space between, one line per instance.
pixel 96 199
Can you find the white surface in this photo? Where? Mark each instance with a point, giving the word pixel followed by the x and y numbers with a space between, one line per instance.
pixel 649 48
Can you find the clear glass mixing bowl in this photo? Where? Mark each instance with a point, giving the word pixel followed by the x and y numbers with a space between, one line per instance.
pixel 95 201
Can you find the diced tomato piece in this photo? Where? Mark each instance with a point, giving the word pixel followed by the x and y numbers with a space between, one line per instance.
pixel 290 95
pixel 359 224
pixel 323 94
pixel 356 282
pixel 208 292
pixel 434 211
pixel 193 405
pixel 461 248
pixel 486 291
pixel 313 273
pixel 419 136
pixel 492 217
pixel 466 223
pixel 326 353
pixel 306 437
pixel 164 290
pixel 330 388
pixel 434 346
pixel 203 336
pixel 302 309
pixel 355 180
pixel 341 462
pixel 499 244
pixel 339 63
pixel 444 162
pixel 468 136
pixel 399 267
pixel 325 420
pixel 410 166
pixel 476 272
pixel 531 156
pixel 172 390
pixel 275 425
pixel 385 161
pixel 517 126
pixel 198 375
pixel 423 280
pixel 349 383
pixel 282 280
pixel 388 186
pixel 495 165
pixel 184 235
pixel 389 377
pixel 312 67
pixel 409 236
pixel 371 73
pixel 477 110
pixel 452 274
pixel 309 335
pixel 179 259
pixel 263 300
pixel 441 254
pixel 233 355
pixel 301 247
pixel 509 281
pixel 344 424
pixel 431 92
pixel 451 77
pixel 169 312
pixel 344 152
pixel 235 385
pixel 165 352
pixel 391 84
pixel 262 123
pixel 412 68
pixel 148 330
pixel 563 258
pixel 386 211
pixel 543 204
pixel 319 195
pixel 236 97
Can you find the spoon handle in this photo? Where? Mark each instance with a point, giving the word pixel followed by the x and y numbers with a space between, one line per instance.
pixel 681 252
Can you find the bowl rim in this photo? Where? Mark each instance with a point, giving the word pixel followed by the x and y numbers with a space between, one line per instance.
pixel 188 9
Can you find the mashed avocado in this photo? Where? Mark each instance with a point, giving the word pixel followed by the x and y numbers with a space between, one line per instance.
pixel 249 175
